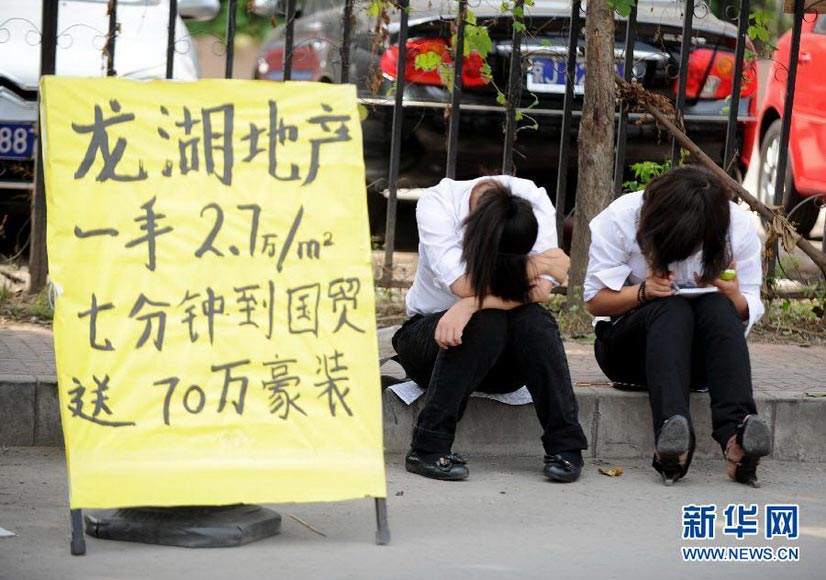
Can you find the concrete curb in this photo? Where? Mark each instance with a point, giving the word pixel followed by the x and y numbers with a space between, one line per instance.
pixel 29 411
pixel 617 424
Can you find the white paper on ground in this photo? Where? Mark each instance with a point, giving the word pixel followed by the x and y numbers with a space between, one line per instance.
pixel 4 533
pixel 409 391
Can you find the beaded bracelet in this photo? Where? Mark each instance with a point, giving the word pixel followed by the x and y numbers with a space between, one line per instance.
pixel 641 296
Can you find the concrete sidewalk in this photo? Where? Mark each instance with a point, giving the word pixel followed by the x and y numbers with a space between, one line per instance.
pixel 505 522
pixel 789 384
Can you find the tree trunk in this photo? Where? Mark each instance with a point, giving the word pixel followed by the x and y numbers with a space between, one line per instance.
pixel 595 181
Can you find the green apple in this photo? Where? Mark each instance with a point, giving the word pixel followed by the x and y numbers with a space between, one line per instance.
pixel 728 275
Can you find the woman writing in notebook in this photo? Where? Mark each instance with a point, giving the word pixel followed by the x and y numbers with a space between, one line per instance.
pixel 672 315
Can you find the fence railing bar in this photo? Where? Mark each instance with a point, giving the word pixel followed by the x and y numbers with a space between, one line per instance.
pixel 685 50
pixel 786 124
pixel 38 258
pixel 289 40
pixel 567 119
pixel 111 36
pixel 737 84
pixel 232 10
pixel 48 41
pixel 170 38
pixel 456 96
pixel 788 106
pixel 346 40
pixel 514 86
pixel 395 148
pixel 627 73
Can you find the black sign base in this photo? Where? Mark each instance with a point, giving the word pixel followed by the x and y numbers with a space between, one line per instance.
pixel 188 527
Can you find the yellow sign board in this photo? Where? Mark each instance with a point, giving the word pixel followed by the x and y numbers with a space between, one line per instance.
pixel 215 329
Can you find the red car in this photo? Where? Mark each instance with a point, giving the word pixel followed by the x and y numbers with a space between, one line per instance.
pixel 807 146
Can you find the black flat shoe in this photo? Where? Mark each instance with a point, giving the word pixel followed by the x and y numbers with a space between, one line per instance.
pixel 558 468
pixel 745 448
pixel 673 441
pixel 447 467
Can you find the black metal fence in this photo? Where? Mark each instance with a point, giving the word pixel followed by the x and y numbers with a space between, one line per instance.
pixel 510 110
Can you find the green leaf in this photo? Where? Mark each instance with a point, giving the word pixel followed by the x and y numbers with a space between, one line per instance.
pixel 622 7
pixel 518 12
pixel 374 8
pixel 427 61
pixel 519 27
pixel 518 116
pixel 446 74
pixel 486 72
pixel 648 170
pixel 501 98
pixel 477 40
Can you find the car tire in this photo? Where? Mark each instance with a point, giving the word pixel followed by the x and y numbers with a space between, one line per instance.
pixel 804 216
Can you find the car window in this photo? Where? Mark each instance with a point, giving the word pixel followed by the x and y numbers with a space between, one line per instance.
pixel 820 27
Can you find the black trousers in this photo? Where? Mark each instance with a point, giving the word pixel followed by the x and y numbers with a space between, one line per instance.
pixel 674 343
pixel 500 352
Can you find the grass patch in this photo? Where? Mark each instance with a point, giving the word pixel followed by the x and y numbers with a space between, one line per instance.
pixel 20 306
pixel 787 320
pixel 390 306
pixel 796 321
pixel 573 325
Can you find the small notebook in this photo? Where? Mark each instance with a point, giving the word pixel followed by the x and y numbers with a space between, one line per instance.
pixel 692 291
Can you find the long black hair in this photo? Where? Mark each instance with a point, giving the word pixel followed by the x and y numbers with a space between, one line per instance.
pixel 499 233
pixel 683 211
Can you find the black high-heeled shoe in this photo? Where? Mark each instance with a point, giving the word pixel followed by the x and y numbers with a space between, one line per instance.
pixel 745 448
pixel 673 442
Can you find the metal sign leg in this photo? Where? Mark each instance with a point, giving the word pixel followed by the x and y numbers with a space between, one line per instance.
pixel 382 531
pixel 78 539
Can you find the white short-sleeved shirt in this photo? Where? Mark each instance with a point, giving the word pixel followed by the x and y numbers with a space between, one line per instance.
pixel 615 259
pixel 440 214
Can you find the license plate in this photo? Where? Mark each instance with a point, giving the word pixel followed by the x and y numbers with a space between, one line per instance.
pixel 547 75
pixel 17 140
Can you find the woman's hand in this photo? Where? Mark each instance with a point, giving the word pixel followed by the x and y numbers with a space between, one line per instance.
pixel 729 288
pixel 659 286
pixel 452 324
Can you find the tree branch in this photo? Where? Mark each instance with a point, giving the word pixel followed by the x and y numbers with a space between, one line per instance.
pixel 776 220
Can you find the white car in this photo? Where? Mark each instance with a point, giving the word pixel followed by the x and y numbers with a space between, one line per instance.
pixel 140 53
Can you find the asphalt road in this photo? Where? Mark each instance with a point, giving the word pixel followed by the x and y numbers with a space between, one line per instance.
pixel 504 522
